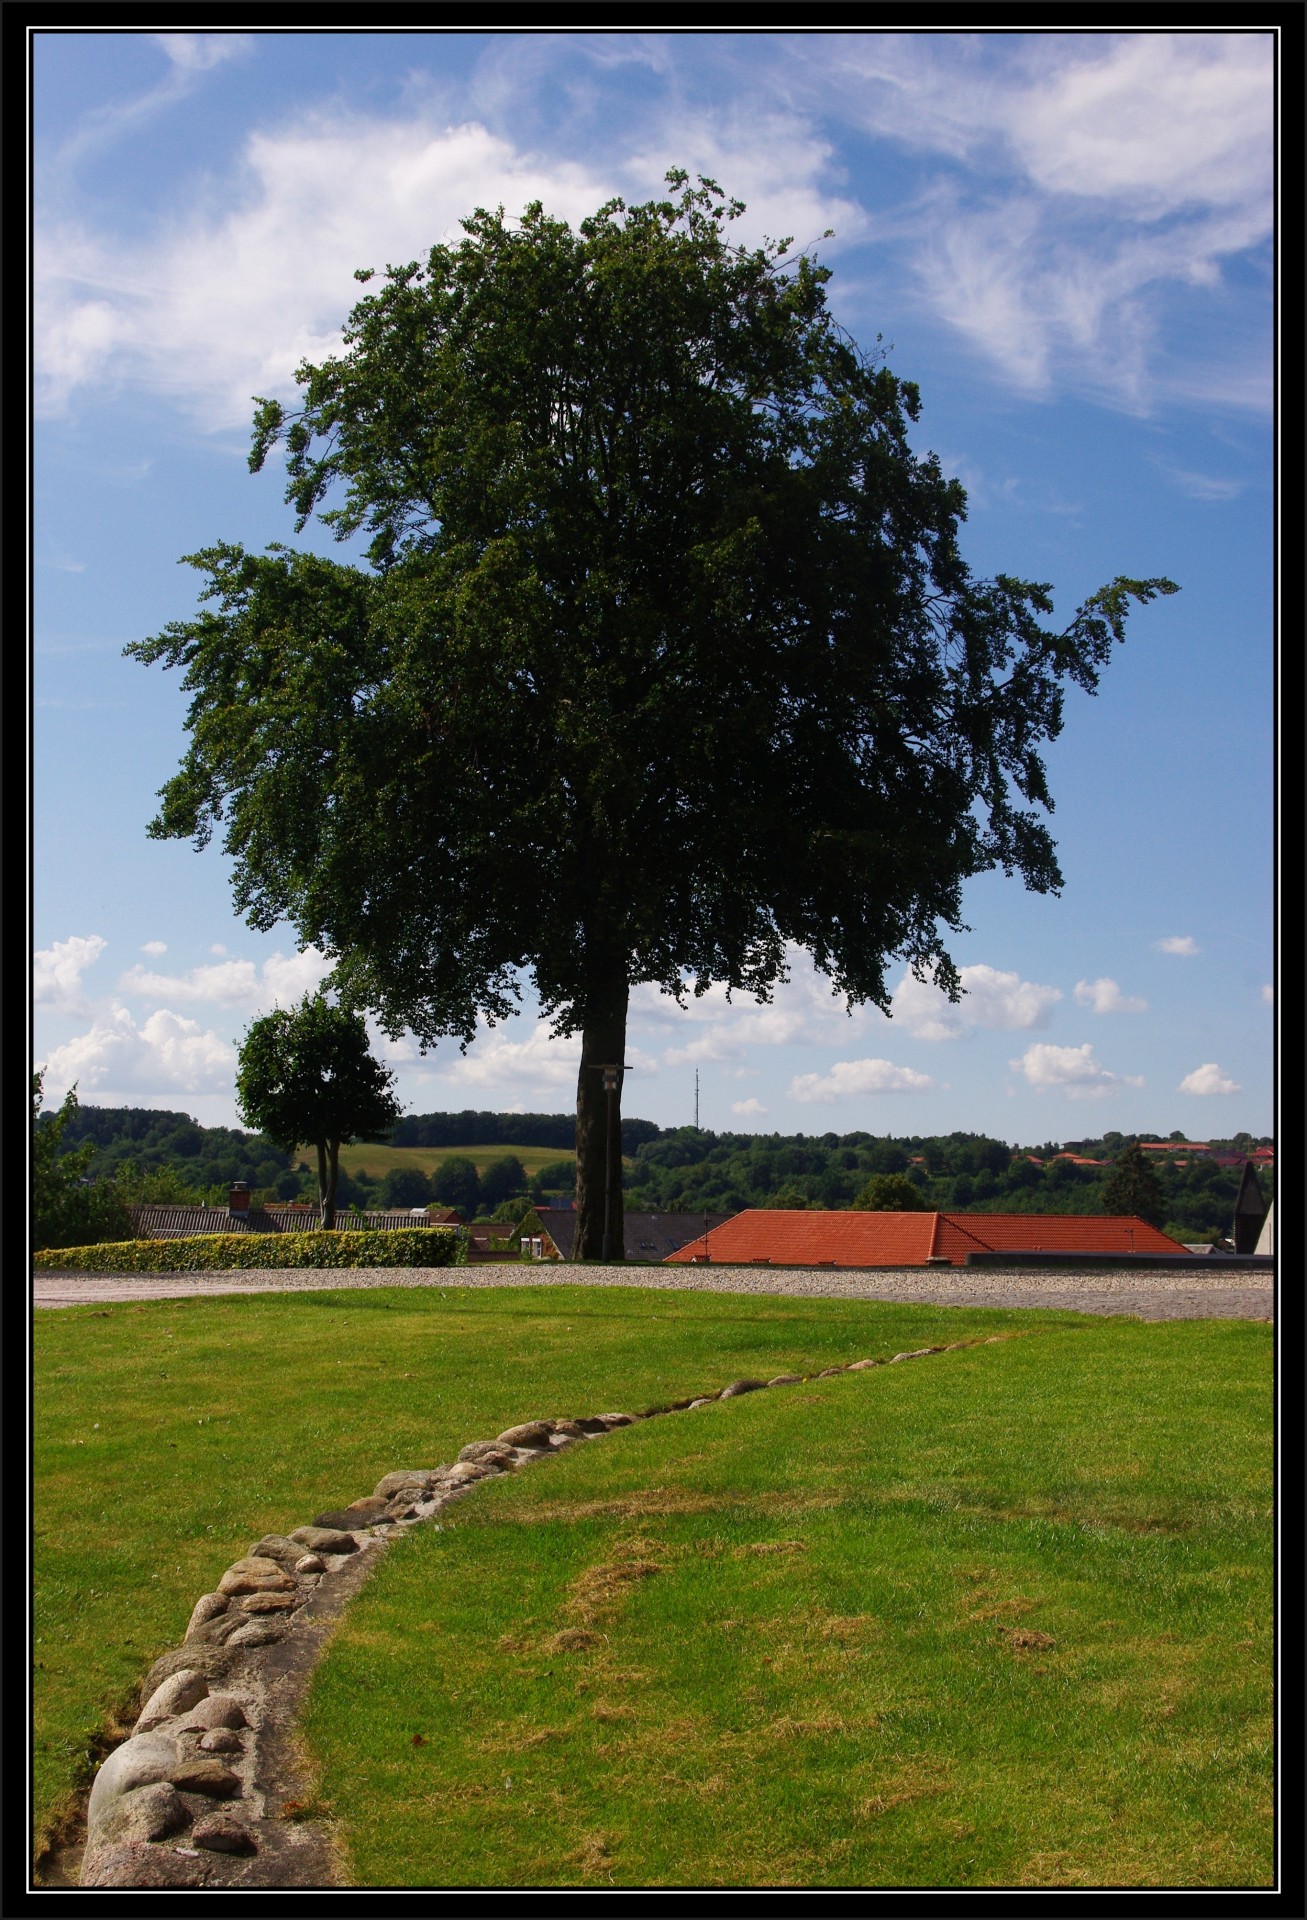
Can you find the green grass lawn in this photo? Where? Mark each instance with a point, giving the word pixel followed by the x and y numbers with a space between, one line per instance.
pixel 796 1637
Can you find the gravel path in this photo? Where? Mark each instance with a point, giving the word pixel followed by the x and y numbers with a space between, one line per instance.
pixel 1223 1295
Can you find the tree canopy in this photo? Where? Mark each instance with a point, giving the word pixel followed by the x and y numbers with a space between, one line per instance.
pixel 305 1074
pixel 665 657
pixel 68 1208
pixel 891 1193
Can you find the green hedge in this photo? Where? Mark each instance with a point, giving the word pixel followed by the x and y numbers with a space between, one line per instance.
pixel 223 1252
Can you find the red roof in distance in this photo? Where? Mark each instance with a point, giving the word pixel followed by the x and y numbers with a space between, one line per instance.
pixel 810 1237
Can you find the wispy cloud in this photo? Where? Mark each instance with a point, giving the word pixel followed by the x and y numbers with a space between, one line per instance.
pixel 279 981
pixel 1181 943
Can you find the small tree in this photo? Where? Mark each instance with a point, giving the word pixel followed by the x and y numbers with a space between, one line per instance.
pixel 68 1211
pixel 306 1074
pixel 406 1187
pixel 891 1193
pixel 455 1184
pixel 1133 1187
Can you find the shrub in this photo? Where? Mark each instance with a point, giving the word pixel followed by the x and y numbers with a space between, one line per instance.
pixel 224 1252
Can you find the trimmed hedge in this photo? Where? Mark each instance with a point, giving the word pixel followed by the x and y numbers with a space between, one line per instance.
pixel 225 1252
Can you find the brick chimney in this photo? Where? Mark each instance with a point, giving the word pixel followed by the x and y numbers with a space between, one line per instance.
pixel 238 1198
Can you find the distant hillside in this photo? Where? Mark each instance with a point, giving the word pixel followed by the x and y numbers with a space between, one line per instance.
pixel 476 1160
pixel 469 1129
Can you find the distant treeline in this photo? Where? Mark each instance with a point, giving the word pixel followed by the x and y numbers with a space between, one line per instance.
pixel 469 1129
pixel 680 1169
pixel 206 1160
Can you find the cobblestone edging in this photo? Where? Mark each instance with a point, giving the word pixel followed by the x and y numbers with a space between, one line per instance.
pixel 204 1791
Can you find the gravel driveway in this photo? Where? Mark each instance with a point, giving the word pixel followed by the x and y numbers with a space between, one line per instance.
pixel 1223 1295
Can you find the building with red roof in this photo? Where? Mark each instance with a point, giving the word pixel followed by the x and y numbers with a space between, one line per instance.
pixel 783 1237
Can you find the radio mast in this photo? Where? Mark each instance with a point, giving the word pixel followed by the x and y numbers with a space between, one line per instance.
pixel 696 1099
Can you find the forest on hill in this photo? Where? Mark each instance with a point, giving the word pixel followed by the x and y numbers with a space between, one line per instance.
pixel 156 1155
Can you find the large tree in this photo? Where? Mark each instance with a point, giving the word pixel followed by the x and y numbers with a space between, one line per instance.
pixel 306 1074
pixel 664 658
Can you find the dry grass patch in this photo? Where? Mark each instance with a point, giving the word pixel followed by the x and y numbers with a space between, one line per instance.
pixel 771 1546
pixel 919 1780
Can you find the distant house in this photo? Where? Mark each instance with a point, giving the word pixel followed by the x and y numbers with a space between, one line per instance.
pixel 647 1236
pixel 784 1238
pixel 290 1216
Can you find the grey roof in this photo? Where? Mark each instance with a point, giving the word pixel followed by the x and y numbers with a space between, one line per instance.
pixel 647 1236
pixel 173 1223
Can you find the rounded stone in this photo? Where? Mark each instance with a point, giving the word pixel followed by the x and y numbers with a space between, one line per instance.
pixel 326 1539
pixel 221 1740
pixel 267 1602
pixel 144 1813
pixel 860 1366
pixel 139 1762
pixel 219 1710
pixel 255 1576
pixel 530 1433
pixel 310 1563
pixel 178 1693
pixel 706 1401
pixel 258 1633
pixel 828 1372
pixel 786 1380
pixel 279 1548
pixel 214 1662
pixel 222 1834
pixel 392 1483
pixel 741 1386
pixel 479 1450
pixel 207 1607
pixel 211 1777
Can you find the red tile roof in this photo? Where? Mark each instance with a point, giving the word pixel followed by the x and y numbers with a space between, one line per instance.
pixel 793 1238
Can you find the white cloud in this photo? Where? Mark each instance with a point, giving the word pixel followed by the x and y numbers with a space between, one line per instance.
pixel 744 1107
pixel 154 948
pixel 280 981
pixel 198 52
pixel 803 1011
pixel 1178 943
pixel 991 999
pixel 1208 1078
pixel 217 947
pixel 1089 175
pixel 541 1066
pixel 1268 995
pixel 849 1077
pixel 57 971
pixel 116 1058
pixel 1104 996
pixel 1072 1070
pixel 230 298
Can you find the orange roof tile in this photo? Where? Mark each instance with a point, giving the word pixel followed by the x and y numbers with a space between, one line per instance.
pixel 794 1237
pixel 811 1237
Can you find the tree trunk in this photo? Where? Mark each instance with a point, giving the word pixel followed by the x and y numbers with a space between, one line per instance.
pixel 599 1226
pixel 328 1170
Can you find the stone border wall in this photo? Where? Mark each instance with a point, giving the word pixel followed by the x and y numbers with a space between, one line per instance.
pixel 206 1790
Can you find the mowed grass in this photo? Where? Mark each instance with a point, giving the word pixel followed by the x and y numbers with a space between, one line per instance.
pixel 359 1157
pixel 997 1617
pixel 169 1435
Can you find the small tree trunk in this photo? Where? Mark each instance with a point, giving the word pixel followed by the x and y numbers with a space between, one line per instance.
pixel 599 1126
pixel 328 1172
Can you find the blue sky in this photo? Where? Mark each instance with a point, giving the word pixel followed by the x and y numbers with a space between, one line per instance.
pixel 1065 239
